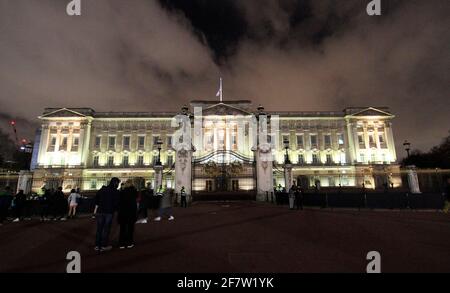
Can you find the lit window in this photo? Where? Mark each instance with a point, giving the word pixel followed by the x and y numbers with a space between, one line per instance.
pixel 315 159
pixel 140 161
pixel 75 143
pixel 125 161
pixel 340 139
pixel 95 161
pixel 329 159
pixel 110 161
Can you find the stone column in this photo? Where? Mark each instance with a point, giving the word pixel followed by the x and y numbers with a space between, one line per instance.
pixel 264 172
pixel 158 176
pixel 413 180
pixel 183 172
pixel 288 179
pixel 25 181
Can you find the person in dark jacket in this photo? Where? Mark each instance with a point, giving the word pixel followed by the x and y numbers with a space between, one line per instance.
pixel 183 196
pixel 299 193
pixel 5 203
pixel 19 205
pixel 106 203
pixel 127 214
pixel 44 203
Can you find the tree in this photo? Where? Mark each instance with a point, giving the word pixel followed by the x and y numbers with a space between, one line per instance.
pixel 437 157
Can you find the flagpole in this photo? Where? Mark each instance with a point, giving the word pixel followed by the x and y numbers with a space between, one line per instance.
pixel 221 90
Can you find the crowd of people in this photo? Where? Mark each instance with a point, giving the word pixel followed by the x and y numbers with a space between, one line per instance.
pixel 294 196
pixel 49 204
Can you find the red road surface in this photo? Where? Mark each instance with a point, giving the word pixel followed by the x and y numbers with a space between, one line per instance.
pixel 241 237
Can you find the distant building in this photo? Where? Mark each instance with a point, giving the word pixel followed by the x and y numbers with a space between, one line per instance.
pixel 83 148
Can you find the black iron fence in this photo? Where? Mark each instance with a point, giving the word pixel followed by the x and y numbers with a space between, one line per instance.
pixel 389 200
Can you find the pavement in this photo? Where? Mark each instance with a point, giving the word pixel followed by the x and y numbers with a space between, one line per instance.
pixel 241 237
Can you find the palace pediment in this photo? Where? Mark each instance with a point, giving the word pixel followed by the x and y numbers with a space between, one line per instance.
pixel 67 113
pixel 222 109
pixel 371 112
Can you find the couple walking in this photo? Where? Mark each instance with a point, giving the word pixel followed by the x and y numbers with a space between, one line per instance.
pixel 109 200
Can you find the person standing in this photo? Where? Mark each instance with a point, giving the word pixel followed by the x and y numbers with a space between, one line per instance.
pixel 5 203
pixel 73 199
pixel 19 205
pixel 127 214
pixel 44 203
pixel 106 203
pixel 145 203
pixel 292 191
pixel 165 206
pixel 183 197
pixel 299 198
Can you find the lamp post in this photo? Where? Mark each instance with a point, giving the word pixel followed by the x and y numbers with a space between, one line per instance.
pixel 159 144
pixel 286 156
pixel 407 146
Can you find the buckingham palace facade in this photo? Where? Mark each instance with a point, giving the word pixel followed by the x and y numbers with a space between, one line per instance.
pixel 82 148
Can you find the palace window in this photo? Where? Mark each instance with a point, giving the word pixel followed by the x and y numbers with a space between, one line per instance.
pixel 63 145
pixel 301 159
pixel 75 143
pixel 327 140
pixel 329 159
pixel 95 163
pixel 315 159
pixel 313 139
pixel 126 142
pixel 169 142
pixel 52 144
pixel 141 142
pixel 110 161
pixel 169 161
pixel 112 142
pixel 340 137
pixel 98 141
pixel 361 141
pixel 126 161
pixel 300 142
pixel 140 161
pixel 362 158
pixel 155 141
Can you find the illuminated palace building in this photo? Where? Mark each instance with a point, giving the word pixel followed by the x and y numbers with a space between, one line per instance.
pixel 84 148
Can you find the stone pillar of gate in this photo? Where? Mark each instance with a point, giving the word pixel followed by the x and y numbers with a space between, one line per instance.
pixel 264 172
pixel 288 179
pixel 25 181
pixel 183 172
pixel 413 180
pixel 158 176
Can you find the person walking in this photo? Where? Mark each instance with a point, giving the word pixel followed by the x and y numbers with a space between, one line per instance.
pixel 106 203
pixel 127 214
pixel 145 203
pixel 73 199
pixel 165 205
pixel 19 205
pixel 183 196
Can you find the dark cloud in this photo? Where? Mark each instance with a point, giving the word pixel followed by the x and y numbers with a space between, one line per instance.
pixel 303 55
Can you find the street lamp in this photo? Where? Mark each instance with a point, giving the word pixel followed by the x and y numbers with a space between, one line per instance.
pixel 286 147
pixel 407 146
pixel 159 144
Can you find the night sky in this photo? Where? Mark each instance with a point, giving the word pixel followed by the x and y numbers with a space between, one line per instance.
pixel 149 55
